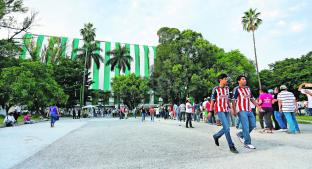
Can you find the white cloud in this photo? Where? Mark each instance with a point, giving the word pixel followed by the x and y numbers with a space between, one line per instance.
pixel 297 27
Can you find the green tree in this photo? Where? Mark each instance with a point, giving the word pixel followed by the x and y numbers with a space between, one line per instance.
pixel 130 89
pixel 121 59
pixel 290 72
pixel 251 22
pixel 31 84
pixel 90 51
pixel 188 65
pixel 68 75
pixel 10 13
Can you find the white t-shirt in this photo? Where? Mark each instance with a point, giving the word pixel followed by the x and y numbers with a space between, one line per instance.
pixel 189 108
pixel 204 104
pixel 309 97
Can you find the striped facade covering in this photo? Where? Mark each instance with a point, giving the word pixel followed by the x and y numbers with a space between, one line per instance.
pixel 143 57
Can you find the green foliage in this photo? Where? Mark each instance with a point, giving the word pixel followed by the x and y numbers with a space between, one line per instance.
pixel 121 59
pixel 188 65
pixel 68 75
pixel 31 84
pixel 130 89
pixel 251 20
pixel 291 72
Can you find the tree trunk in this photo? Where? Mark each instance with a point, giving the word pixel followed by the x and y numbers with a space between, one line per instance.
pixel 254 43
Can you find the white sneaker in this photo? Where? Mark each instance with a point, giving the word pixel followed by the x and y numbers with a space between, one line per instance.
pixel 242 140
pixel 283 130
pixel 250 146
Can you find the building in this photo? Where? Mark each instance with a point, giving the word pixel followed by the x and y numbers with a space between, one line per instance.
pixel 142 63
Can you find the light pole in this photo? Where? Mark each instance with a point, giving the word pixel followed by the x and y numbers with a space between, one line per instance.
pixel 84 79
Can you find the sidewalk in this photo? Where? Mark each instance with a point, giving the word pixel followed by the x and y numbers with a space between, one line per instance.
pixel 21 142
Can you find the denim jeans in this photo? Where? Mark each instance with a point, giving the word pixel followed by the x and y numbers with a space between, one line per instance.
pixel 152 117
pixel 247 120
pixel 279 119
pixel 223 117
pixel 188 119
pixel 143 117
pixel 291 120
pixel 309 111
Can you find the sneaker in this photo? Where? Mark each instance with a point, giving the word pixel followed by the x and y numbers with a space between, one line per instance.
pixel 216 140
pixel 242 140
pixel 283 130
pixel 233 150
pixel 250 146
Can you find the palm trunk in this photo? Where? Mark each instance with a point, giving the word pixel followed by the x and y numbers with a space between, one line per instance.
pixel 84 79
pixel 254 42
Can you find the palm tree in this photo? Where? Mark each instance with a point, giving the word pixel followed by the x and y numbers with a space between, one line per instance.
pixel 89 52
pixel 121 59
pixel 251 22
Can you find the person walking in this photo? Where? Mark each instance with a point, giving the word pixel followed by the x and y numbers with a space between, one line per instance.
pixel 242 97
pixel 279 116
pixel 143 113
pixel 188 111
pixel 152 113
pixel 220 104
pixel 287 104
pixel 305 88
pixel 182 111
pixel 265 101
pixel 54 114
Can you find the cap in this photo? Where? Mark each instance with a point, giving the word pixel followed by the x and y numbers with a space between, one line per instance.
pixel 270 90
pixel 283 87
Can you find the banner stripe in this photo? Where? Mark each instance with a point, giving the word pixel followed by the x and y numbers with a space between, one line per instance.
pixel 63 45
pixel 95 79
pixel 107 67
pixel 127 72
pixel 27 40
pixel 39 46
pixel 74 49
pixel 137 60
pixel 117 47
pixel 146 61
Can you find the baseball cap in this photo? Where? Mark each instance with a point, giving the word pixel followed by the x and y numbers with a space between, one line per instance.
pixel 283 87
pixel 270 90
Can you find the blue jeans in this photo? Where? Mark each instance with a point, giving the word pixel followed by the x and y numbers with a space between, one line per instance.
pixel 53 119
pixel 223 117
pixel 309 111
pixel 291 120
pixel 248 122
pixel 143 117
pixel 279 119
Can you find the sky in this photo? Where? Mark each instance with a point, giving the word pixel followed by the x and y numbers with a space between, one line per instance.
pixel 285 31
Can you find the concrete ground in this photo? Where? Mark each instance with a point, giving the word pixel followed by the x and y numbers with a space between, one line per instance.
pixel 114 143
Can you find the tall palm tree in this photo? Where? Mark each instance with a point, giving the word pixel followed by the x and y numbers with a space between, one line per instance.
pixel 121 59
pixel 89 52
pixel 251 22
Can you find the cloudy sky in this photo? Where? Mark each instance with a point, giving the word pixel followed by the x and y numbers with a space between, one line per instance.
pixel 285 32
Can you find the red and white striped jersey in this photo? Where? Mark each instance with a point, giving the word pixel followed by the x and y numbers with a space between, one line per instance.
pixel 242 97
pixel 221 96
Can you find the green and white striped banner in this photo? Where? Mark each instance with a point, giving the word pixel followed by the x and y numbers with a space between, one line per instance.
pixel 143 57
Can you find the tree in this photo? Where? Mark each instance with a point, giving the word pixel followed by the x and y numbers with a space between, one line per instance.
pixel 290 72
pixel 89 51
pixel 188 65
pixel 31 84
pixel 251 22
pixel 68 75
pixel 8 20
pixel 121 58
pixel 130 89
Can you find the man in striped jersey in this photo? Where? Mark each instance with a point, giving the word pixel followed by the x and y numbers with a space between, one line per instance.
pixel 220 103
pixel 288 105
pixel 242 98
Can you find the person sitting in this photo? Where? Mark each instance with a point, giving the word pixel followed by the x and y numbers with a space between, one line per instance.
pixel 9 120
pixel 27 119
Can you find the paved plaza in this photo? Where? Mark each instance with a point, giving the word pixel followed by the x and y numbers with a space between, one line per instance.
pixel 114 143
